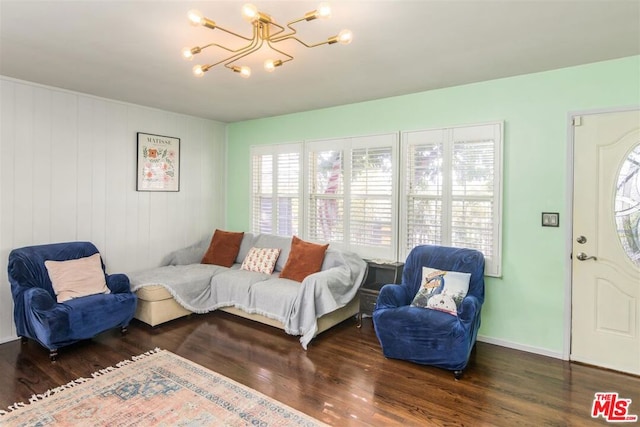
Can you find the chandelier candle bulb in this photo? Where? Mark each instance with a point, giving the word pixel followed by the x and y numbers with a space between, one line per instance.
pixel 244 71
pixel 187 53
pixel 249 12
pixel 271 65
pixel 323 11
pixel 345 37
pixel 265 30
pixel 195 17
pixel 199 70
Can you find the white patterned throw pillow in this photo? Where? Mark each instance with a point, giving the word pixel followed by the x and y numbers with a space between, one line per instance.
pixel 261 260
pixel 442 290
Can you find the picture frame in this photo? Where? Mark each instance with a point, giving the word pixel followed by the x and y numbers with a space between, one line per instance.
pixel 158 163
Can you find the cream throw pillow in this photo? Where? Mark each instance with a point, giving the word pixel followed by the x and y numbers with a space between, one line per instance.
pixel 261 260
pixel 77 277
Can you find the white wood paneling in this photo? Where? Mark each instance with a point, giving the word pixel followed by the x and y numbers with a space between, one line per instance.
pixel 68 172
pixel 7 151
pixel 64 167
pixel 41 165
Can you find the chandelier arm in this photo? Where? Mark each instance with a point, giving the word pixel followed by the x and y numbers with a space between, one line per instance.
pixel 281 52
pixel 295 21
pixel 225 48
pixel 281 29
pixel 240 55
pixel 291 37
pixel 235 51
pixel 235 34
pixel 286 36
pixel 255 44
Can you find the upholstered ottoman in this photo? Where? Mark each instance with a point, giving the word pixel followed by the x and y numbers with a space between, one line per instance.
pixel 156 305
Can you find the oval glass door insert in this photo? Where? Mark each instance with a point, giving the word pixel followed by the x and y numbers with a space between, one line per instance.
pixel 627 205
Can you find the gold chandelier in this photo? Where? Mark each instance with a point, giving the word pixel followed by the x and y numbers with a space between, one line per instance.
pixel 265 29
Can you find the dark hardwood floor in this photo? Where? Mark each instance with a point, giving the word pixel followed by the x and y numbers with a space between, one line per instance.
pixel 343 379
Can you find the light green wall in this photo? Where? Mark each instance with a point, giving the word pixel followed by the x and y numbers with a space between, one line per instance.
pixel 525 306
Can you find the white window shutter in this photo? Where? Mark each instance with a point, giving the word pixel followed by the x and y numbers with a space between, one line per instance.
pixel 288 193
pixel 372 200
pixel 325 214
pixel 262 193
pixel 352 188
pixel 423 188
pixel 453 190
pixel 276 188
pixel 450 183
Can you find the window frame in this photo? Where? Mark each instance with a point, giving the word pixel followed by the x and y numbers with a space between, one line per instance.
pixel 495 130
pixel 275 150
pixel 347 146
pixel 399 143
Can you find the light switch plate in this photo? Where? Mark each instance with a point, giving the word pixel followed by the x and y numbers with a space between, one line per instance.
pixel 550 219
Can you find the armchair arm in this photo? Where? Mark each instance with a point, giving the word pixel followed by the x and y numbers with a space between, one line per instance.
pixel 118 283
pixel 393 296
pixel 469 309
pixel 38 299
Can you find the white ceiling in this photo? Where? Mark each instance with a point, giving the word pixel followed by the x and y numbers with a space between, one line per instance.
pixel 130 50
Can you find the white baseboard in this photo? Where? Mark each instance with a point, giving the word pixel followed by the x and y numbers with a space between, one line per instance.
pixel 521 347
pixel 8 339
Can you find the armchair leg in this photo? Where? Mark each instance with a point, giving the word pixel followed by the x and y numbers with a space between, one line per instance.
pixel 457 374
pixel 124 330
pixel 53 354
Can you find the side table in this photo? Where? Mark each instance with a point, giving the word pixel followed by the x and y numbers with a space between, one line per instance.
pixel 379 273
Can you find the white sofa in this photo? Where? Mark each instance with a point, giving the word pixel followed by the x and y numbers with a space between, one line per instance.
pixel 181 286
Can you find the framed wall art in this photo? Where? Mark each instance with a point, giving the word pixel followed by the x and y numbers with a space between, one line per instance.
pixel 158 163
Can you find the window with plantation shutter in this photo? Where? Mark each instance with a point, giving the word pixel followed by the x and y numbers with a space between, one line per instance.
pixel 351 188
pixel 372 206
pixel 452 194
pixel 262 193
pixel 326 192
pixel 288 189
pixel 276 188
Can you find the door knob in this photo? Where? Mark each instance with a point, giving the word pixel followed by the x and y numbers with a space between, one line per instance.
pixel 583 257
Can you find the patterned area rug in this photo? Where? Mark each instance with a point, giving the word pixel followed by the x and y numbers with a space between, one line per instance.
pixel 158 388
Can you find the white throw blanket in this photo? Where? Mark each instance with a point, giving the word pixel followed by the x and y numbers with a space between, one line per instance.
pixel 201 288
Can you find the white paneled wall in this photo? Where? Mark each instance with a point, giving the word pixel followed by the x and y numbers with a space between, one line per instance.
pixel 67 172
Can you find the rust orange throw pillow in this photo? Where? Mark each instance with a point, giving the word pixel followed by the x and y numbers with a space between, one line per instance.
pixel 304 259
pixel 223 249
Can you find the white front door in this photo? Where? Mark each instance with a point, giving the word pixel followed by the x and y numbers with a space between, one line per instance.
pixel 605 320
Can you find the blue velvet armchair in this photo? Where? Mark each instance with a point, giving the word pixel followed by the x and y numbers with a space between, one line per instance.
pixel 39 316
pixel 426 336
